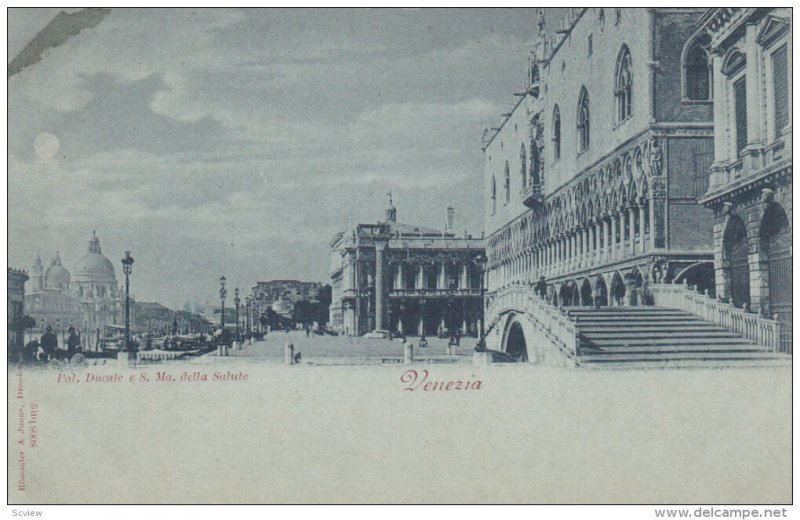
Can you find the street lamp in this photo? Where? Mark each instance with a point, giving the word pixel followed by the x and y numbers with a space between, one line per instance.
pixel 236 302
pixel 127 267
pixel 223 292
pixel 450 305
pixel 248 306
pixel 480 262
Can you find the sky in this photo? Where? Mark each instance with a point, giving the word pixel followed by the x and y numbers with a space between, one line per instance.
pixel 238 142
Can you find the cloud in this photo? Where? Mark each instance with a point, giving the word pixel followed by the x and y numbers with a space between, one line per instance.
pixel 201 138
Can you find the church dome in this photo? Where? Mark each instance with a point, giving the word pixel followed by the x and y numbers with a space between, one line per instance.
pixel 57 276
pixel 94 267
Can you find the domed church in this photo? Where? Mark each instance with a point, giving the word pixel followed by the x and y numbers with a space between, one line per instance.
pixel 87 299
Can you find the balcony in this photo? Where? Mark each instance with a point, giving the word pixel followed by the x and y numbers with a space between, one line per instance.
pixel 531 195
pixel 755 167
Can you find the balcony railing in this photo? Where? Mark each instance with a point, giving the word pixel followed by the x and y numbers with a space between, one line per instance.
pixel 763 331
pixel 557 326
pixel 429 293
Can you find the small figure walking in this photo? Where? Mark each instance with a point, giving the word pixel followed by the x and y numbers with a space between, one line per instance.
pixel 541 288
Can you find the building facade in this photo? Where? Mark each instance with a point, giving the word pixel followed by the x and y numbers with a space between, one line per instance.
pixel 88 300
pixel 750 181
pixel 591 180
pixel 403 278
pixel 15 307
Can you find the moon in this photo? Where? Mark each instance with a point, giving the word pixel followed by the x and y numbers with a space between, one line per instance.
pixel 46 146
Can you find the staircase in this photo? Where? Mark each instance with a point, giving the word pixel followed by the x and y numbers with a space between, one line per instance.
pixel 660 337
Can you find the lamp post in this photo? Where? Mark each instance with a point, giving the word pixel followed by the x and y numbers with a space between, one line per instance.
pixel 236 302
pixel 223 292
pixel 127 268
pixel 450 305
pixel 248 304
pixel 480 262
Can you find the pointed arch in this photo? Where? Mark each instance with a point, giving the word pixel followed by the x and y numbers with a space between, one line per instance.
pixel 583 123
pixel 556 133
pixel 623 85
pixel 696 83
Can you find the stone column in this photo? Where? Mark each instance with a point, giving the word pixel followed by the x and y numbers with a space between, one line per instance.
pixel 464 277
pixel 607 223
pixel 420 277
pixel 592 260
pixel 720 113
pixel 587 245
pixel 352 274
pixel 379 249
pixel 753 78
pixel 441 282
pixel 632 230
pixel 560 256
pixel 572 243
pixel 400 281
pixel 642 210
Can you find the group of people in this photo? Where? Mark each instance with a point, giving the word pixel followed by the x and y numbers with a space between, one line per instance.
pixel 45 349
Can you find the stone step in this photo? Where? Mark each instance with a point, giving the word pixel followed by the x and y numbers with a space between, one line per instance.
pixel 647 341
pixel 659 337
pixel 632 317
pixel 655 333
pixel 658 318
pixel 690 364
pixel 657 349
pixel 650 327
pixel 679 356
pixel 622 310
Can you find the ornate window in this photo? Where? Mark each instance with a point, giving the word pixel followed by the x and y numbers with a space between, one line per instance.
pixel 697 70
pixel 780 89
pixel 583 120
pixel 523 158
pixel 740 108
pixel 556 133
pixel 623 89
pixel 734 68
pixel 507 183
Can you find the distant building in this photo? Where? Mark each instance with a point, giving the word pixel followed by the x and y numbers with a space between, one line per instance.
pixel 15 306
pixel 750 188
pixel 404 278
pixel 156 318
pixel 88 300
pixel 278 296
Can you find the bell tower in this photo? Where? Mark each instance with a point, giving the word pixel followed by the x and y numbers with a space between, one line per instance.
pixel 391 211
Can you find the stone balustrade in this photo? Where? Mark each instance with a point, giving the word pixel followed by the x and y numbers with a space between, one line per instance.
pixel 558 326
pixel 763 331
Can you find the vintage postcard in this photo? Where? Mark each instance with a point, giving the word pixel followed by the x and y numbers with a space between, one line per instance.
pixel 400 256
